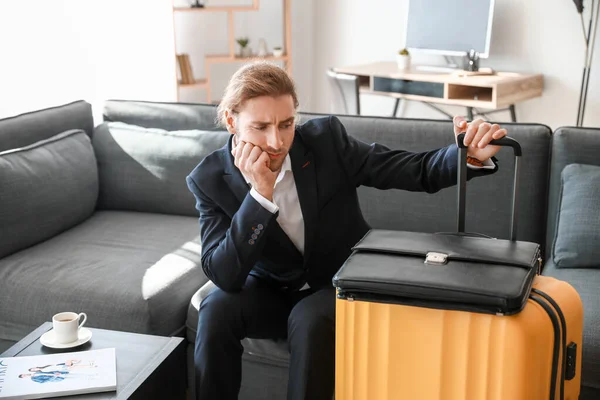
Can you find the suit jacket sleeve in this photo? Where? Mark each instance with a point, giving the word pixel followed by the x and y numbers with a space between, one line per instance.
pixel 230 246
pixel 378 166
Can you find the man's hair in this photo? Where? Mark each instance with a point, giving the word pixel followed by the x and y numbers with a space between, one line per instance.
pixel 256 79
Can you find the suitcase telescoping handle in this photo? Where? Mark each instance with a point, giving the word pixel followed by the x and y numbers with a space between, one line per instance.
pixel 462 180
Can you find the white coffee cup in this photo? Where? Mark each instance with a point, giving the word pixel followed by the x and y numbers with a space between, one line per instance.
pixel 66 326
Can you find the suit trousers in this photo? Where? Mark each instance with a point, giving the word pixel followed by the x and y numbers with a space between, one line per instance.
pixel 262 311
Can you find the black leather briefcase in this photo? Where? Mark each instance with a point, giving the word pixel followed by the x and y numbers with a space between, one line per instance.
pixel 455 271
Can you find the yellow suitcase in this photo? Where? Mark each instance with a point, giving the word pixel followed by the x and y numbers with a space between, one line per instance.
pixel 425 316
pixel 397 352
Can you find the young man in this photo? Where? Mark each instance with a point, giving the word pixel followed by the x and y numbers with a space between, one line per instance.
pixel 279 214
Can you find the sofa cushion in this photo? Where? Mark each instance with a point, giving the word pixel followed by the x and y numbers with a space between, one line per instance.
pixel 144 169
pixel 47 188
pixel 169 116
pixel 586 282
pixel 269 351
pixel 128 271
pixel 569 146
pixel 578 226
pixel 28 128
pixel 420 211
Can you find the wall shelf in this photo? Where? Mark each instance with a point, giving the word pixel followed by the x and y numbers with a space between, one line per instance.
pixel 216 58
pixel 231 56
pixel 199 83
pixel 216 9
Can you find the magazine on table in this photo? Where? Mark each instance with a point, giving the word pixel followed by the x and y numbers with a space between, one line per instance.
pixel 53 375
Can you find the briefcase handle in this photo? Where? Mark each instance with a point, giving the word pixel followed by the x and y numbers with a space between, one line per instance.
pixel 462 180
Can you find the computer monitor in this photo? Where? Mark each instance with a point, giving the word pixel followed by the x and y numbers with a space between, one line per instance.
pixel 450 27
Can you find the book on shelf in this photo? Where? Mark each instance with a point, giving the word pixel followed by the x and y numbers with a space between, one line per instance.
pixel 188 65
pixel 54 375
pixel 182 71
pixel 185 69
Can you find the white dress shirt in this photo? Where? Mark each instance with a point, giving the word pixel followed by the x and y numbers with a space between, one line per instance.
pixel 285 200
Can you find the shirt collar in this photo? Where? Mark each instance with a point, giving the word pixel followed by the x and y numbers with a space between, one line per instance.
pixel 285 167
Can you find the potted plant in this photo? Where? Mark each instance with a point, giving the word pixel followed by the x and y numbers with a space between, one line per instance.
pixel 262 48
pixel 403 59
pixel 277 51
pixel 245 51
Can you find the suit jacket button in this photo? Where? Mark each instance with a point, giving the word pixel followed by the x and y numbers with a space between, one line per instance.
pixel 257 231
pixel 254 237
pixel 251 242
pixel 260 227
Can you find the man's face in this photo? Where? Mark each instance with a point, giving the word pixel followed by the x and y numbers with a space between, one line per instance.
pixel 266 122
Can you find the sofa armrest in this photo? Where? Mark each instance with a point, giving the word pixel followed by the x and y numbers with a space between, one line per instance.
pixel 192 316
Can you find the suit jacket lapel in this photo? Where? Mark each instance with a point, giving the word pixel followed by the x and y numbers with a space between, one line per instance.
pixel 232 174
pixel 305 177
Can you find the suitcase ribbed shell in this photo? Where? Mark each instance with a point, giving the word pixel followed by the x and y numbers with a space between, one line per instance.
pixel 389 352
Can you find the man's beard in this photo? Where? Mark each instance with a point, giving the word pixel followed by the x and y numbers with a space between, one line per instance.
pixel 276 165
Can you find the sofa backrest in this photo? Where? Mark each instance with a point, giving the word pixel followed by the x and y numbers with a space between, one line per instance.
pixel 46 188
pixel 569 146
pixel 144 169
pixel 26 129
pixel 488 198
pixel 145 150
pixel 168 116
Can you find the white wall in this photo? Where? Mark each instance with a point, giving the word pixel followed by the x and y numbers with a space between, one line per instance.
pixel 55 52
pixel 532 36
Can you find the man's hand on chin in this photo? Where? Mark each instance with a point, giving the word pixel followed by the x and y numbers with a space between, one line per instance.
pixel 254 163
pixel 478 135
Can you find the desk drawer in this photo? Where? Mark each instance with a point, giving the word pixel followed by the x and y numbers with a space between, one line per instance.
pixel 430 89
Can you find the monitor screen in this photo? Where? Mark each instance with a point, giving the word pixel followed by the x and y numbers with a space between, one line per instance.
pixel 450 27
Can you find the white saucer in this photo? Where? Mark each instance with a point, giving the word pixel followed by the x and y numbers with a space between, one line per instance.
pixel 47 339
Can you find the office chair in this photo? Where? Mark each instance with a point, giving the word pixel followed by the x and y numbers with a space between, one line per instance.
pixel 345 93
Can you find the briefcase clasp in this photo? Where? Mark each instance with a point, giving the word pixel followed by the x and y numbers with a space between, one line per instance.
pixel 433 258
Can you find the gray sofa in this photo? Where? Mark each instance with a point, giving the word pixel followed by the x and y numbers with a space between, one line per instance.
pixel 131 258
pixel 92 222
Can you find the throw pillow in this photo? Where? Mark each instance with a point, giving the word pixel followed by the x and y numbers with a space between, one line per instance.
pixel 578 228
pixel 144 169
pixel 45 189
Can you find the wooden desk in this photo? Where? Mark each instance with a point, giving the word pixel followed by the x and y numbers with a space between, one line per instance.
pixel 497 92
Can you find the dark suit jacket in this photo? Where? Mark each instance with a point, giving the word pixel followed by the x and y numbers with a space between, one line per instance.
pixel 328 166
